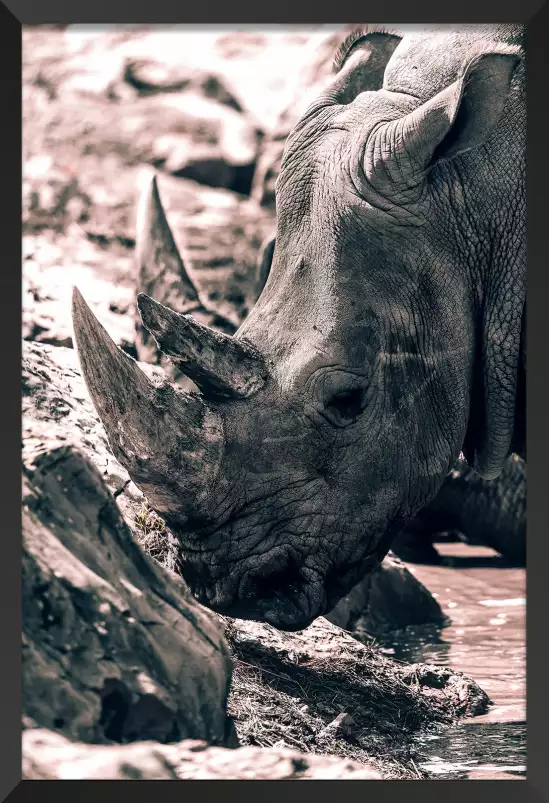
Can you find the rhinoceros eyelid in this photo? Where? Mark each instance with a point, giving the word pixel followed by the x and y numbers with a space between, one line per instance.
pixel 345 128
pixel 345 406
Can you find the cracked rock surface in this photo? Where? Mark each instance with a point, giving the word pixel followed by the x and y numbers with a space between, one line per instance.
pixel 115 649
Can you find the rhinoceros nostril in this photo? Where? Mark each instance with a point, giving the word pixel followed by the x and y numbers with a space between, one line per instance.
pixel 279 583
pixel 196 578
pixel 276 577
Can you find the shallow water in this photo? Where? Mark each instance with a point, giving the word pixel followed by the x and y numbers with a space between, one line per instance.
pixel 486 640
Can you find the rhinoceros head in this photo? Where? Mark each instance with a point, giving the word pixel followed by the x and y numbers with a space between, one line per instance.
pixel 340 404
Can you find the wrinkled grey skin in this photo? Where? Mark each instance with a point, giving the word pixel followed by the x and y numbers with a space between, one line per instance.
pixel 391 294
pixel 406 296
pixel 390 325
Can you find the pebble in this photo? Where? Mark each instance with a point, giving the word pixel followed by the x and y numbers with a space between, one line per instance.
pixel 342 725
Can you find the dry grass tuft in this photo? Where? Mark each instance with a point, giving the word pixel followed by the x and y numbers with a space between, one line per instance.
pixel 150 533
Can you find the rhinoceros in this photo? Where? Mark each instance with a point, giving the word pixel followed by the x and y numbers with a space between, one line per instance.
pixel 388 338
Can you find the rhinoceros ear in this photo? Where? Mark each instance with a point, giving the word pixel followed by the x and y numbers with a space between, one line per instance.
pixel 360 63
pixel 457 119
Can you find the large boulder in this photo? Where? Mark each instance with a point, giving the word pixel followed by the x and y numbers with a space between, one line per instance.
pixel 390 598
pixel 184 134
pixel 115 649
pixel 48 756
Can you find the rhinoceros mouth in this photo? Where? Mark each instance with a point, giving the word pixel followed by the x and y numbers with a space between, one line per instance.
pixel 278 590
pixel 289 611
pixel 274 588
pixel 280 612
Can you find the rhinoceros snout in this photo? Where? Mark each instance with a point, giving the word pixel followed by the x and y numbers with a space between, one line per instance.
pixel 275 589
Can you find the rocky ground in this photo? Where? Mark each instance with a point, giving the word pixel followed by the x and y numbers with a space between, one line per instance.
pixel 115 650
pixel 50 756
pixel 102 109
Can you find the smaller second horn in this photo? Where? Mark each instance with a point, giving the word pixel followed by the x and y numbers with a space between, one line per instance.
pixel 222 367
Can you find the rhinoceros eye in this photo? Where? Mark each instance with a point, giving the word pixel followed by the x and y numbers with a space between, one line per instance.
pixel 345 406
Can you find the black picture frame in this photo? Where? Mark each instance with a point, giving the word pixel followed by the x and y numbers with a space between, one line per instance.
pixel 13 15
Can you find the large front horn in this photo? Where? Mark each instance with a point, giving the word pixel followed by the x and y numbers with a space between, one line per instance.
pixel 222 367
pixel 169 441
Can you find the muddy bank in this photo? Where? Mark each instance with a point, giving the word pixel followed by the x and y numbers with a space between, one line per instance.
pixel 322 690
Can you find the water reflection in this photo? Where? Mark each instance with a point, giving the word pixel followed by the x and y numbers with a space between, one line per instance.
pixel 483 749
pixel 418 643
pixel 486 639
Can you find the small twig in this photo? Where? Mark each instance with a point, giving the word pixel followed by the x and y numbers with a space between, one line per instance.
pixel 415 768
